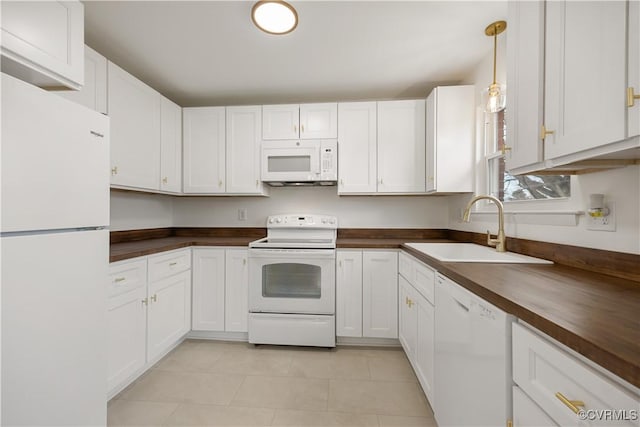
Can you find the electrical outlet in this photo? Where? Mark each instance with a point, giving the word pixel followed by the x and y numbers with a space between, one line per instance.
pixel 242 214
pixel 603 223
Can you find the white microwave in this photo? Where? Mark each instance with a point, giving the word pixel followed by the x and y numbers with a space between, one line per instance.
pixel 300 162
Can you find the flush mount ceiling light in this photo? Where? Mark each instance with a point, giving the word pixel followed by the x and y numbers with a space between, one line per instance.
pixel 274 16
pixel 494 98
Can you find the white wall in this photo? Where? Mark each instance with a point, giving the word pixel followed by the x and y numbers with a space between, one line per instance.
pixel 131 211
pixel 352 211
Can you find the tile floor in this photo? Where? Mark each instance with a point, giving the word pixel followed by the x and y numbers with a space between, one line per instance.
pixel 209 383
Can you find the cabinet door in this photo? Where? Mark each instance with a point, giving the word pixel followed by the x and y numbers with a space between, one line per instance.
pixel 243 150
pixel 134 109
pixel 319 121
pixel 170 147
pixel 634 67
pixel 349 294
pixel 407 319
pixel 280 121
pixel 208 289
pixel 126 336
pixel 526 413
pixel 585 75
pixel 169 314
pixel 204 150
pixel 401 146
pixel 236 285
pixel 525 80
pixel 450 132
pixel 94 91
pixel 43 42
pixel 425 345
pixel 357 147
pixel 380 294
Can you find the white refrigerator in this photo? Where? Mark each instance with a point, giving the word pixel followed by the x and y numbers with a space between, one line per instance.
pixel 54 257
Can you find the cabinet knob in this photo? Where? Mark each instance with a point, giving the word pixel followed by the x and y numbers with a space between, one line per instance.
pixel 114 170
pixel 295 129
pixel 544 132
pixel 574 405
pixel 505 148
pixel 145 301
pixel 119 279
pixel 341 182
pixel 302 128
pixel 244 261
pixel 257 182
pixel 220 183
pixel 165 180
pixel 154 298
pixel 631 97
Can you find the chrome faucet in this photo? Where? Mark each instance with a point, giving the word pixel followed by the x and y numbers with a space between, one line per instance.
pixel 500 241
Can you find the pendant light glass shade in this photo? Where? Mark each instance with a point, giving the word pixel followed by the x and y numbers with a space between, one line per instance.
pixel 494 98
pixel 274 16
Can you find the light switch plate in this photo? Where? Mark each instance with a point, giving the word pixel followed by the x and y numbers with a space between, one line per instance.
pixel 604 223
pixel 242 214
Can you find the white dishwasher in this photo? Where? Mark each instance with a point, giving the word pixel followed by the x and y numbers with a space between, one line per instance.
pixel 472 359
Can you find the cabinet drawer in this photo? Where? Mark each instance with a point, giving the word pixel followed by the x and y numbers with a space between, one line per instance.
pixel 405 266
pixel 126 276
pixel 425 281
pixel 545 372
pixel 169 263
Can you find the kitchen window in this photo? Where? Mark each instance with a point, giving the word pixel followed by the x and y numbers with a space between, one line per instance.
pixel 509 188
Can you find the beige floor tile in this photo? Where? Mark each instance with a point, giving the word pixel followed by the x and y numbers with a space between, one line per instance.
pixel 288 417
pixel 128 413
pixel 378 352
pixel 283 392
pixel 225 346
pixel 377 397
pixel 330 366
pixel 212 415
pixel 253 363
pixel 191 358
pixel 391 369
pixel 185 387
pixel 399 421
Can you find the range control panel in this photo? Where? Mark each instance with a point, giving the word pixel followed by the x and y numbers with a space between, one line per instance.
pixel 302 221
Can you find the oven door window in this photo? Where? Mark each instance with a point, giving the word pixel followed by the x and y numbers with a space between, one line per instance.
pixel 291 280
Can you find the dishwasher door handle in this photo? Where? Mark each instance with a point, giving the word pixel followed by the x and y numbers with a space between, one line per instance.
pixel 464 307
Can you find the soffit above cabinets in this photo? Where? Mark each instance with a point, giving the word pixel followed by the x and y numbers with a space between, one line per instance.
pixel 205 53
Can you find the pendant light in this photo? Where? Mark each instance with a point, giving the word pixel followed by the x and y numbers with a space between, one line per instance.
pixel 274 16
pixel 494 98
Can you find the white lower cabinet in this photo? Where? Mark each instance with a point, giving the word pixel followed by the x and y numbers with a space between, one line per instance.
pixel 148 312
pixel 526 413
pixel 220 289
pixel 416 317
pixel 367 293
pixel 561 385
pixel 380 294
pixel 236 286
pixel 349 293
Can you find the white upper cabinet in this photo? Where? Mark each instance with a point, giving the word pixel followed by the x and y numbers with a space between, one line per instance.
pixel 243 136
pixel 43 42
pixel 357 147
pixel 450 128
pixel 401 146
pixel 585 75
pixel 294 121
pixel 633 111
pixel 134 109
pixel 94 92
pixel 204 150
pixel 170 146
pixel 319 121
pixel 525 80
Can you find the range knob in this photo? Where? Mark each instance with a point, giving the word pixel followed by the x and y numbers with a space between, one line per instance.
pixel 278 220
pixel 324 220
pixel 270 220
pixel 332 221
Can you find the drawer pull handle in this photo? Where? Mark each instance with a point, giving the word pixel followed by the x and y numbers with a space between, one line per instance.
pixel 120 279
pixel 145 301
pixel 154 298
pixel 574 405
pixel 171 264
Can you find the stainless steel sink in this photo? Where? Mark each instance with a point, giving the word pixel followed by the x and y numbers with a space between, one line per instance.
pixel 470 252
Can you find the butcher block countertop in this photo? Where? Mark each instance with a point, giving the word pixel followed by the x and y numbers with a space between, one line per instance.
pixel 595 314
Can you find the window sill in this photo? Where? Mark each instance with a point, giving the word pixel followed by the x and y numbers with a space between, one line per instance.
pixel 562 218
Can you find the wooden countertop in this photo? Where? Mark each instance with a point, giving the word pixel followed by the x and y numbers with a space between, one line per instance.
pixel 596 315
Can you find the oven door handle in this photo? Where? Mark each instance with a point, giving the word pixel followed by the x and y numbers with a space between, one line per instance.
pixel 292 254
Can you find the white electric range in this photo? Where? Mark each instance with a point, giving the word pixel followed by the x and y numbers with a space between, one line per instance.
pixel 292 282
